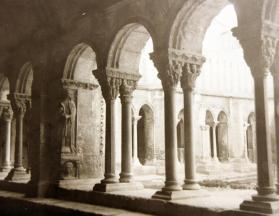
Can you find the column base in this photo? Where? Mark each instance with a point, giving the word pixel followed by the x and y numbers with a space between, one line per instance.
pixel 178 195
pixel 17 174
pixel 261 204
pixel 6 168
pixel 126 177
pixel 191 185
pixel 113 187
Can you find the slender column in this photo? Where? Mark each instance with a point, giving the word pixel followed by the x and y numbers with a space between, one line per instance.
pixel 170 76
pixel 215 157
pixel 275 73
pixel 126 91
pixel 191 71
pixel 245 149
pixel 21 109
pixel 135 140
pixel 264 154
pixel 7 117
pixel 205 141
pixel 113 91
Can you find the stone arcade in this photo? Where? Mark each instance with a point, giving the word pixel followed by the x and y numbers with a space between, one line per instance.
pixel 83 130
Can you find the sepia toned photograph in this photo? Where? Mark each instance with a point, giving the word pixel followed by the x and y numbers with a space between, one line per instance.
pixel 139 107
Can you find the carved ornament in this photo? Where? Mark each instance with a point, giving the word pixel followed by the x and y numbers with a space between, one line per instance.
pixel 126 90
pixel 7 113
pixel 20 102
pixel 73 84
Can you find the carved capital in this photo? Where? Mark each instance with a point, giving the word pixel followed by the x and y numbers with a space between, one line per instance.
pixel 113 87
pixel 126 90
pixel 19 103
pixel 191 70
pixel 7 114
pixel 73 84
pixel 259 49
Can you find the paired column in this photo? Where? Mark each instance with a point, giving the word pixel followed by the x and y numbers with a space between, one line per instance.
pixel 7 116
pixel 170 74
pixel 190 72
pixel 126 91
pixel 112 93
pixel 259 52
pixel 19 104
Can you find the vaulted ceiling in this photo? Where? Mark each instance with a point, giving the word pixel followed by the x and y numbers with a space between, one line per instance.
pixel 24 21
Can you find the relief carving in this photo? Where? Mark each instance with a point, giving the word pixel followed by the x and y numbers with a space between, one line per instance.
pixel 67 121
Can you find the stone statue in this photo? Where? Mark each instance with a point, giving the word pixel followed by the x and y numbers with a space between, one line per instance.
pixel 69 171
pixel 67 109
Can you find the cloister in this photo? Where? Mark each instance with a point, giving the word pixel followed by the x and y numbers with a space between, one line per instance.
pixel 99 99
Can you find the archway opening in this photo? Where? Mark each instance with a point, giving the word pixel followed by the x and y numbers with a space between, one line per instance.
pixel 130 57
pixel 82 138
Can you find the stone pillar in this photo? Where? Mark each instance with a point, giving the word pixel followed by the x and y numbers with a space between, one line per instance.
pixel 6 161
pixel 259 52
pixel 135 140
pixel 275 74
pixel 191 70
pixel 215 155
pixel 19 103
pixel 170 74
pixel 245 147
pixel 126 91
pixel 113 91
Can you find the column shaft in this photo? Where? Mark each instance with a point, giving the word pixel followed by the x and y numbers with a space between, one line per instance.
pixel 171 160
pixel 135 141
pixel 110 143
pixel 190 170
pixel 264 153
pixel 276 112
pixel 6 163
pixel 215 155
pixel 126 148
pixel 19 142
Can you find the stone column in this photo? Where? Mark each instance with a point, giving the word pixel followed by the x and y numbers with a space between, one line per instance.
pixel 191 70
pixel 6 162
pixel 126 91
pixel 135 140
pixel 275 74
pixel 19 103
pixel 215 155
pixel 113 91
pixel 245 149
pixel 170 74
pixel 260 64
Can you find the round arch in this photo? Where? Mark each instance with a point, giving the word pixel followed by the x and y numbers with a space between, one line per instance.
pixel 222 137
pixel 191 23
pixel 146 135
pixel 125 50
pixel 25 79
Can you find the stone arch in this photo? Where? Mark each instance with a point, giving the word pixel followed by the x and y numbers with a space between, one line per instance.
pixel 209 120
pixel 146 135
pixel 25 79
pixel 191 23
pixel 222 137
pixel 87 134
pixel 180 136
pixel 251 137
pixel 125 51
pixel 4 88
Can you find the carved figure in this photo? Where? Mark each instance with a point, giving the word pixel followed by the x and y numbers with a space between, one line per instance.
pixel 67 109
